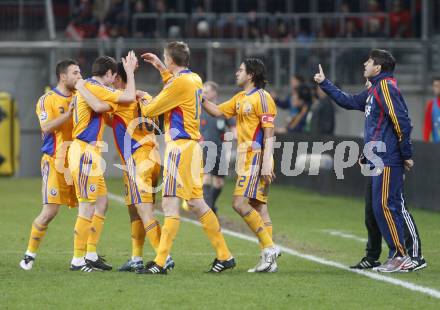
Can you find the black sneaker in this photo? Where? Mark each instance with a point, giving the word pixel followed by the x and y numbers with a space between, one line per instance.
pixel 85 268
pixel 131 266
pixel 222 265
pixel 100 263
pixel 416 263
pixel 152 268
pixel 366 263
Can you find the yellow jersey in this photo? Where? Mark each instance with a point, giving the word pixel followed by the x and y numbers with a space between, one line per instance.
pixel 130 127
pixel 49 107
pixel 180 102
pixel 88 126
pixel 255 110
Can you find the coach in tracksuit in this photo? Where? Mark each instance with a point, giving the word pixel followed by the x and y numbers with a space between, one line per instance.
pixel 388 128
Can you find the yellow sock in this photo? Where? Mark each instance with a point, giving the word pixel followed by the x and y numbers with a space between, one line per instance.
pixel 152 231
pixel 211 226
pixel 37 233
pixel 95 235
pixel 268 226
pixel 81 234
pixel 255 223
pixel 169 232
pixel 137 238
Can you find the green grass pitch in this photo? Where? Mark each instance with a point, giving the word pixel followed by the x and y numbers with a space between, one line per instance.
pixel 301 221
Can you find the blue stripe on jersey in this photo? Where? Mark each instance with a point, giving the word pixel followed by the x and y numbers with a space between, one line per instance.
pixel 176 172
pixel 252 91
pixel 257 141
pixel 263 101
pixel 49 144
pixel 90 133
pixel 119 131
pixel 177 127
pixel 252 176
pixel 55 90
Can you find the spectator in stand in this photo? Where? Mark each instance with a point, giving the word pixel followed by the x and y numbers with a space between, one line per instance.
pixel 375 22
pixel 84 24
pixel 321 118
pixel 302 100
pixel 431 130
pixel 116 20
pixel 375 28
pixel 287 104
pixel 400 21
pixel 143 27
pixel 351 25
pixel 351 30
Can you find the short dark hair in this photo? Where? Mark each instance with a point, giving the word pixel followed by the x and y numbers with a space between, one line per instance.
pixel 383 58
pixel 63 65
pixel 121 72
pixel 179 53
pixel 102 64
pixel 257 69
pixel 436 78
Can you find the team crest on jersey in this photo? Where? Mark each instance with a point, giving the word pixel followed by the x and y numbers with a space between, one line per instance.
pixel 43 116
pixel 247 108
pixel 53 192
pixel 92 188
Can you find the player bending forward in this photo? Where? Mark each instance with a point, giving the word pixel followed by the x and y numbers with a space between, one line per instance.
pixel 180 102
pixel 137 147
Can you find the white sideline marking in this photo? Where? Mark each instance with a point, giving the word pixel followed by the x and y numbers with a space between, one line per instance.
pixel 345 235
pixel 372 275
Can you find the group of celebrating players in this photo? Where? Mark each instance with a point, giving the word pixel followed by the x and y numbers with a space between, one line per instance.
pixel 72 118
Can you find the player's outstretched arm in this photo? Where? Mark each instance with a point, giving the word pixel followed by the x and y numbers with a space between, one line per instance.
pixel 345 100
pixel 211 108
pixel 94 103
pixel 154 61
pixel 130 64
pixel 50 125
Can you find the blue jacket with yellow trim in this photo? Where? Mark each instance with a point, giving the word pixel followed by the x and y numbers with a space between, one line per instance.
pixel 386 116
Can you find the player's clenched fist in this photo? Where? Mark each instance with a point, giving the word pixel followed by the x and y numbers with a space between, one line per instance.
pixel 320 76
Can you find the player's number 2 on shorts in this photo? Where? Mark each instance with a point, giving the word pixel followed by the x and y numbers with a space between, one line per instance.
pixel 198 102
pixel 241 181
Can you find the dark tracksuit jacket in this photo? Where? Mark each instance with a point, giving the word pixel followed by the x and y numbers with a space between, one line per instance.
pixel 386 121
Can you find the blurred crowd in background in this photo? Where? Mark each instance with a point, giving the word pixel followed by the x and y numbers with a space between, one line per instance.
pixel 250 19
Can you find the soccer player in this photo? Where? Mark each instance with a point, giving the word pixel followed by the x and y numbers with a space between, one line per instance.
pixel 85 161
pixel 213 131
pixel 255 111
pixel 180 101
pixel 54 111
pixel 387 122
pixel 138 149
